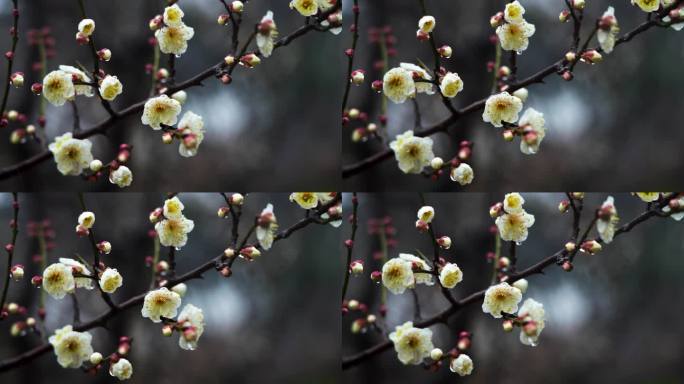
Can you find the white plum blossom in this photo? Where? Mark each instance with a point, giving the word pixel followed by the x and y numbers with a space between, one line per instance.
pixel 451 85
pixel 648 197
pixel 514 12
pixel 267 227
pixel 679 214
pixel 397 275
pixel 607 220
pixel 174 232
pixel 419 265
pixel 532 313
pixel 58 280
pixel 122 369
pixel 72 348
pixel 533 128
pixel 122 176
pixel 462 365
pixel 110 87
pixel 173 16
pixel 647 5
pixel 502 107
pixel 463 174
pixel 71 155
pixel 522 285
pixel 160 303
pixel 513 202
pixel 418 73
pixel 174 39
pixel 191 127
pixel 110 280
pixel 305 7
pixel 173 208
pixel 398 85
pixel 80 269
pixel 450 275
pixel 267 34
pixel 306 200
pixel 608 30
pixel 514 226
pixel 86 219
pixel 501 298
pixel 413 153
pixel 86 26
pixel 58 87
pixel 160 110
pixel 412 344
pixel 78 75
pixel 191 321
pixel 515 37
pixel 426 213
pixel 426 24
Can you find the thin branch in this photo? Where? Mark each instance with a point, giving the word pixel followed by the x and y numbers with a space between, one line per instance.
pixel 350 246
pixel 350 63
pixel 11 247
pixel 14 32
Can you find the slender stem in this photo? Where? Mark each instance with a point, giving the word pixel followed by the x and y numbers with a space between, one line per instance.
pixel 350 247
pixel 350 62
pixel 10 61
pixel 10 253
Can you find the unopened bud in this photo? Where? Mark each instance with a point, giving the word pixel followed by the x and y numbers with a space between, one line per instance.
pixel 17 79
pixel 236 199
pixel 104 247
pixel 570 246
pixel 104 54
pixel 507 325
pixel 356 267
pixel 17 272
pixel 436 354
pixel 357 77
pixel 563 206
pixel 591 247
pixel 444 242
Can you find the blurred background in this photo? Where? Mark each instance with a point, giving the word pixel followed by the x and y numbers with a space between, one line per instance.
pixel 615 318
pixel 609 129
pixel 275 120
pixel 270 322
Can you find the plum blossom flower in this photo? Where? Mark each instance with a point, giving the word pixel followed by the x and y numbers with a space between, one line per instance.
pixel 534 316
pixel 191 127
pixel 501 107
pixel 607 220
pixel 513 202
pixel 426 213
pixel 173 16
pixel 679 214
pixel 418 73
pixel 306 200
pixel 412 344
pixel 451 85
pixel 58 87
pixel 463 365
pixel 122 176
pixel 426 24
pixel 72 348
pixel 174 232
pixel 514 226
pixel 173 208
pixel 71 155
pixel 191 320
pixel 267 227
pixel 305 7
pixel 397 275
pixel 515 37
pixel 420 266
pixel 122 369
pixel 160 303
pixel 267 34
pixel 110 280
pixel 413 153
pixel 174 39
pixel 78 268
pixel 608 30
pixel 647 5
pixel 86 219
pixel 501 298
pixel 86 26
pixel 398 85
pixel 534 130
pixel 58 280
pixel 110 87
pixel 160 110
pixel 463 174
pixel 648 197
pixel 78 75
pixel 514 12
pixel 450 275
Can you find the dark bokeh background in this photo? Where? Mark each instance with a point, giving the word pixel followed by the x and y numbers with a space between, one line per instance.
pixel 270 322
pixel 270 129
pixel 615 318
pixel 609 129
